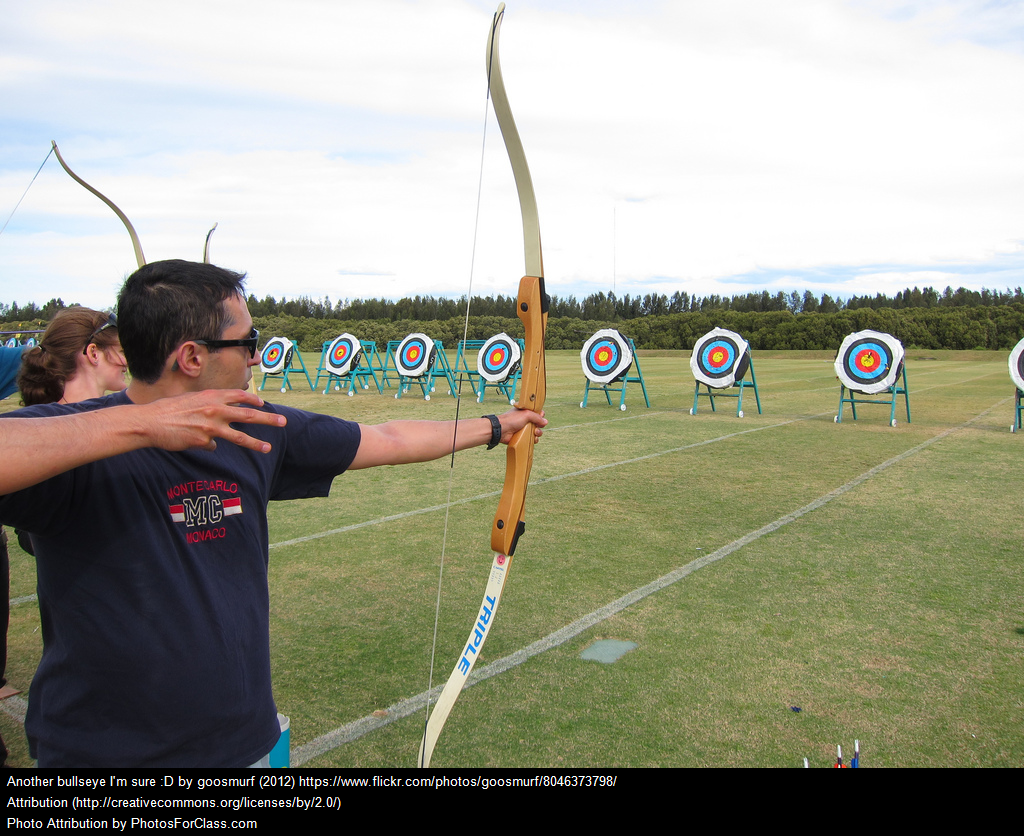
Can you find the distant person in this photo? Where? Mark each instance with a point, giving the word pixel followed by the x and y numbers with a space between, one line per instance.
pixel 78 358
pixel 148 511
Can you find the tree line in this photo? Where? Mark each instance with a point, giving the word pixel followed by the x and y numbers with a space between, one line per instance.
pixel 612 308
pixel 922 319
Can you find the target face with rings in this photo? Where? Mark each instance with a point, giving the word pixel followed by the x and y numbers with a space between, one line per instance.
pixel 276 355
pixel 869 361
pixel 720 358
pixel 606 356
pixel 498 358
pixel 343 354
pixel 11 343
pixel 1017 365
pixel 415 355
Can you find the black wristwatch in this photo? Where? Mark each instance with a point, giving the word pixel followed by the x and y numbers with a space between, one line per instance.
pixel 495 430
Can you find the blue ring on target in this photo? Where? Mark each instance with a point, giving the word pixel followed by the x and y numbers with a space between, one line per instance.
pixel 276 354
pixel 343 354
pixel 415 355
pixel 869 361
pixel 606 356
pixel 498 358
pixel 719 358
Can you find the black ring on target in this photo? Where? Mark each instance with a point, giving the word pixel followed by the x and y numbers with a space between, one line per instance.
pixel 869 361
pixel 343 354
pixel 415 355
pixel 1017 365
pixel 720 358
pixel 498 358
pixel 276 355
pixel 606 357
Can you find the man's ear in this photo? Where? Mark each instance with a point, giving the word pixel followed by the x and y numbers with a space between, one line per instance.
pixel 188 359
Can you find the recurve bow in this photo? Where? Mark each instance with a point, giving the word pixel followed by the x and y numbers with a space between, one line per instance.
pixel 532 309
pixel 139 257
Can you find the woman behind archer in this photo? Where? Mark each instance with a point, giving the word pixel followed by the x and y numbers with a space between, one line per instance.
pixel 78 358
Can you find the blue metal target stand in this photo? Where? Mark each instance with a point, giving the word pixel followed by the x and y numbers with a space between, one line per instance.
pixel 501 372
pixel 369 364
pixel 348 373
pixel 18 339
pixel 740 384
pixel 278 359
pixel 1016 363
pixel 608 357
pixel 871 363
pixel 463 372
pixel 421 360
pixel 721 360
pixel 389 361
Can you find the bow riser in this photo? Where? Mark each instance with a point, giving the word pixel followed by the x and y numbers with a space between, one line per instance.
pixel 509 522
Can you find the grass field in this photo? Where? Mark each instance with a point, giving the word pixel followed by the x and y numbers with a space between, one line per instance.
pixel 889 611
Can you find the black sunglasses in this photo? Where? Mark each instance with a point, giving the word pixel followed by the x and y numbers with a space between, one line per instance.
pixel 250 342
pixel 110 323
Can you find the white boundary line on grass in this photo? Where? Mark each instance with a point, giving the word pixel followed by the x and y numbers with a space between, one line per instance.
pixel 358 728
pixel 416 512
pixel 25 599
pixel 16 706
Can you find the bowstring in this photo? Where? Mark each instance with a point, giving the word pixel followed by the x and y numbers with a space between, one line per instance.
pixel 29 186
pixel 458 403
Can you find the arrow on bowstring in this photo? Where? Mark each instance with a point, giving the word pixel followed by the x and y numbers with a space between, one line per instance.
pixel 532 309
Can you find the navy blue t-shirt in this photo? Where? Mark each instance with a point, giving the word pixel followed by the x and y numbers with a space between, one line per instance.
pixel 153 594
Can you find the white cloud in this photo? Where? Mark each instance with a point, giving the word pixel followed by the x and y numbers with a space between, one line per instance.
pixel 338 145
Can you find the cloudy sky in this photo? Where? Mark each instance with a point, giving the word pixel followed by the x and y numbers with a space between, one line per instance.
pixel 709 146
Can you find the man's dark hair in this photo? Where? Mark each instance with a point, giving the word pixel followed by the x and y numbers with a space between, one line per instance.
pixel 166 303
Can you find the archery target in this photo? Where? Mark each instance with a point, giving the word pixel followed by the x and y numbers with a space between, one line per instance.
pixel 606 356
pixel 498 358
pixel 276 355
pixel 720 358
pixel 343 354
pixel 1017 365
pixel 415 355
pixel 31 342
pixel 869 361
pixel 12 343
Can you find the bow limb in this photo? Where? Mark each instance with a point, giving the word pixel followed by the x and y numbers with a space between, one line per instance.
pixel 139 257
pixel 532 309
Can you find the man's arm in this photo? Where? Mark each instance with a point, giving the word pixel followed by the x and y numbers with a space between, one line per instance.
pixel 402 442
pixel 36 449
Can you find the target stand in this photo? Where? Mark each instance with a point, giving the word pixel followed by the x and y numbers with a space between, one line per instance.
pixel 498 365
pixel 19 339
pixel 871 363
pixel 421 360
pixel 348 364
pixel 389 362
pixel 721 360
pixel 280 358
pixel 608 357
